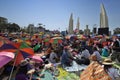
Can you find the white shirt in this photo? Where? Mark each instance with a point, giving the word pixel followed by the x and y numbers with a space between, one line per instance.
pixel 85 53
pixel 97 54
pixel 52 56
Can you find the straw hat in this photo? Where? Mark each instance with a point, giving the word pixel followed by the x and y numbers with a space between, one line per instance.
pixel 107 62
pixel 24 62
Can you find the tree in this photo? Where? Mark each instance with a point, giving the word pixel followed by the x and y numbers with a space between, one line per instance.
pixel 117 30
pixel 13 27
pixel 9 27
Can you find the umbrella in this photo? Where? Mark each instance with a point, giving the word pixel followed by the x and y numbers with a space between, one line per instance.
pixel 56 40
pixel 83 37
pixel 28 41
pixel 22 50
pixel 56 35
pixel 99 36
pixel 46 41
pixel 6 57
pixel 18 40
pixel 36 58
pixel 37 47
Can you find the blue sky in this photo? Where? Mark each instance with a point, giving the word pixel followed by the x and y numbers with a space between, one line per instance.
pixel 55 14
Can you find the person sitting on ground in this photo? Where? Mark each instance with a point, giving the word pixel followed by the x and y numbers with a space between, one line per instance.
pixel 94 71
pixel 38 69
pixel 105 52
pixel 116 49
pixel 65 58
pixel 84 57
pixel 97 54
pixel 53 57
pixel 112 72
pixel 22 72
pixel 85 53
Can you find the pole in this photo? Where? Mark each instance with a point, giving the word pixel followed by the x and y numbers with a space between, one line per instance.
pixel 13 67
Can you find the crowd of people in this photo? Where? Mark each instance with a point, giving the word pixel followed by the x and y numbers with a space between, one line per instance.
pixel 82 51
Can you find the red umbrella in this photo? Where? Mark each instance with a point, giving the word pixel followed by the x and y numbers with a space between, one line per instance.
pixel 22 50
pixel 46 41
pixel 56 40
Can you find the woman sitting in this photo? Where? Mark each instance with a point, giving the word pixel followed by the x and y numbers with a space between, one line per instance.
pixel 112 72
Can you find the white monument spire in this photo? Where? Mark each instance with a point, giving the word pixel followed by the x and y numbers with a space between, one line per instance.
pixel 103 18
pixel 70 31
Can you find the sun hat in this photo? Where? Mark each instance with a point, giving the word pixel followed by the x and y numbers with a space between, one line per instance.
pixel 24 62
pixel 107 62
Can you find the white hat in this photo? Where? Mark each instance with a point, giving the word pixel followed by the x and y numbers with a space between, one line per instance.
pixel 107 62
pixel 27 59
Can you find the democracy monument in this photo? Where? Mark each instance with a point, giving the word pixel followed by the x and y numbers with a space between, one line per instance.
pixel 103 27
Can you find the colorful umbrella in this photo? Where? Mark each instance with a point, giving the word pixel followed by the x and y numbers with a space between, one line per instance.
pixel 6 57
pixel 37 47
pixel 22 50
pixel 46 41
pixel 18 40
pixel 56 40
pixel 82 37
pixel 28 41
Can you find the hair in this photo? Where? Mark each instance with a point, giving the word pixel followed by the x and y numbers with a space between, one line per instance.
pixel 94 48
pixel 41 67
pixel 106 67
pixel 89 36
pixel 83 48
pixel 46 62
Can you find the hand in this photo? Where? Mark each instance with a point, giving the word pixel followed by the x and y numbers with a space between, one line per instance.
pixel 31 71
pixel 42 75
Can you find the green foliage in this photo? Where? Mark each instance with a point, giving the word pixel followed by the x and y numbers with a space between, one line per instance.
pixel 9 27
